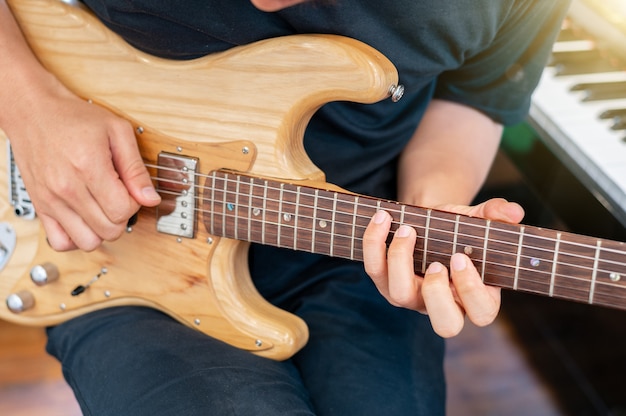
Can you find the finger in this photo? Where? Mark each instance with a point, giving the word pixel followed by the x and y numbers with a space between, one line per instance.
pixel 55 234
pixel 481 302
pixel 500 209
pixel 82 216
pixel 375 250
pixel 105 184
pixel 497 209
pixel 65 238
pixel 131 168
pixel 404 286
pixel 446 315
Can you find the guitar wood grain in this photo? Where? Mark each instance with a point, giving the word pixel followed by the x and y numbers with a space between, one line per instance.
pixel 259 97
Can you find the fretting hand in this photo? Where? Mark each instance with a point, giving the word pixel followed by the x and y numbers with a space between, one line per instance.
pixel 446 295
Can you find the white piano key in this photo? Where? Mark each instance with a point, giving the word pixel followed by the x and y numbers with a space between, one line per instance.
pixel 575 130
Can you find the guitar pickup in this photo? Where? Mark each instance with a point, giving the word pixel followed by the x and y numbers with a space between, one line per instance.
pixel 176 183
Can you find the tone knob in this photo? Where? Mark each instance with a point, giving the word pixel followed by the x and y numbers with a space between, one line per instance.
pixel 42 274
pixel 20 301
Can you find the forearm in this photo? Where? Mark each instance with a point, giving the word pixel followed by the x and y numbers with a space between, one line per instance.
pixel 22 77
pixel 449 156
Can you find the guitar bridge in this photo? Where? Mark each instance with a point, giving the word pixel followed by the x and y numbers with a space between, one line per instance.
pixel 176 177
pixel 18 196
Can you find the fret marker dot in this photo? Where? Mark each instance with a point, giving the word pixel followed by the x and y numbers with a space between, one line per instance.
pixel 287 217
pixel 615 277
pixel 230 206
pixel 323 224
pixel 468 250
pixel 256 212
pixel 535 262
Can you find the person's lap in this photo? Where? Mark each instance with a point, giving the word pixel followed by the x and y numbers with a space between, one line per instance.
pixel 363 357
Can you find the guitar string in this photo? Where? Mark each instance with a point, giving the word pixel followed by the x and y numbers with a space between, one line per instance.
pixel 520 278
pixel 508 254
pixel 502 278
pixel 226 192
pixel 418 215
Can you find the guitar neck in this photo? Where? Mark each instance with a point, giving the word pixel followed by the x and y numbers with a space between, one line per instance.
pixel 547 262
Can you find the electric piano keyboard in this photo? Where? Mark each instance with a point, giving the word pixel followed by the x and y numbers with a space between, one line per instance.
pixel 579 107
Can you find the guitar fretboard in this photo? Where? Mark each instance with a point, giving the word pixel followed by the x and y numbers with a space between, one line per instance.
pixel 518 257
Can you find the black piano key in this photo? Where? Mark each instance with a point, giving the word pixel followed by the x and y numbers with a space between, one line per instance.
pixel 567 34
pixel 594 91
pixel 619 123
pixel 574 57
pixel 580 62
pixel 612 113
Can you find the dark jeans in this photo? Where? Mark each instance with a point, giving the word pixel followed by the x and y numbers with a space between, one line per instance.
pixel 364 357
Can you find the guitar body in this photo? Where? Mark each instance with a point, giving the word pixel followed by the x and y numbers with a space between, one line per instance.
pixel 244 110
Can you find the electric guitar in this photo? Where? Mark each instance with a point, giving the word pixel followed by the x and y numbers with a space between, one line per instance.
pixel 222 137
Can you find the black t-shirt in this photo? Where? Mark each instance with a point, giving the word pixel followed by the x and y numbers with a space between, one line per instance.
pixel 487 54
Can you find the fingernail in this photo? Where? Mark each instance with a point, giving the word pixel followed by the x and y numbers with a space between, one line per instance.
pixel 457 262
pixel 435 267
pixel 150 193
pixel 379 217
pixel 403 231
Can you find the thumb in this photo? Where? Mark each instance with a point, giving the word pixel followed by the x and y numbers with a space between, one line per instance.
pixel 498 209
pixel 131 168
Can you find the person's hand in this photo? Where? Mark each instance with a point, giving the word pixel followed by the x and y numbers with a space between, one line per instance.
pixel 82 169
pixel 446 295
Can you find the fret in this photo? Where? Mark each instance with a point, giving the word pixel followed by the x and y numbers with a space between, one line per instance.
pixel 264 212
pixel 470 239
pixel 332 226
pixel 323 223
pixel 279 223
pixel 242 213
pixel 485 248
pixel 236 233
pixel 367 207
pixel 536 270
pixel 306 223
pixel 554 264
pixel 594 274
pixel 500 256
pixel 440 236
pixel 314 224
pixel 426 236
pixel 416 218
pixel 344 227
pixel 250 207
pixel 287 216
pixel 354 216
pixel 296 218
pixel 224 201
pixel 574 267
pixel 255 210
pixel 257 202
pixel 455 237
pixel 519 257
pixel 273 211
pixel 610 288
pixel 212 211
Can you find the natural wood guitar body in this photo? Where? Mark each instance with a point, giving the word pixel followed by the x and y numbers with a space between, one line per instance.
pixel 244 110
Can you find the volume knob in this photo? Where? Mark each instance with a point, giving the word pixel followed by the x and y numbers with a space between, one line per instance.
pixel 42 274
pixel 20 301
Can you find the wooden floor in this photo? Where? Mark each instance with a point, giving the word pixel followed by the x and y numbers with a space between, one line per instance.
pixel 30 380
pixel 487 375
